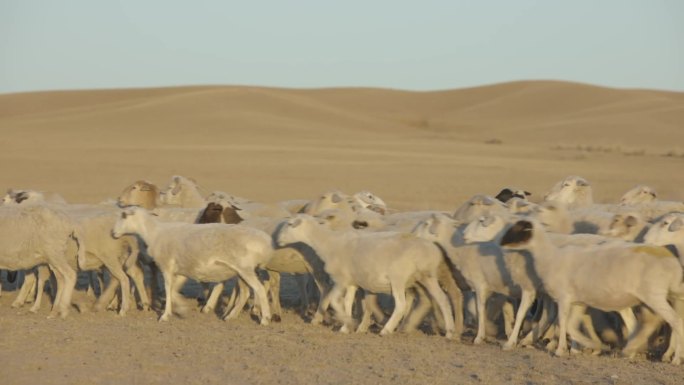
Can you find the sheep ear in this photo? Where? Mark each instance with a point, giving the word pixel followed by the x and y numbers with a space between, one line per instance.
pixel 582 183
pixel 176 188
pixel 527 193
pixel 676 224
pixel 296 222
pixel 335 198
pixel 487 221
pixel 630 221
pixel 123 215
pixel 145 187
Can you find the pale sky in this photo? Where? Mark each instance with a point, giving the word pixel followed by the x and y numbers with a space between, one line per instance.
pixel 413 45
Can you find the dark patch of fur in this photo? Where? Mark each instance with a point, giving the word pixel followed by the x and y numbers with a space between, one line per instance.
pixel 211 214
pixel 521 232
pixel 20 197
pixel 231 216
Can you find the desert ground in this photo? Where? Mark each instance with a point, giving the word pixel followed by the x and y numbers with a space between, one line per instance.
pixel 416 150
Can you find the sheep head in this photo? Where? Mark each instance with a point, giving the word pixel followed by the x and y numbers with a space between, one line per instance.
pixel 483 229
pixel 131 221
pixel 639 194
pixel 573 191
pixel 668 230
pixel 518 235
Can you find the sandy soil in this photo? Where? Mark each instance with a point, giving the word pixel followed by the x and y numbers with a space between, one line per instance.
pixel 429 150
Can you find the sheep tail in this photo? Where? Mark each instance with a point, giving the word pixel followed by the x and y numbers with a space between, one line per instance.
pixel 81 256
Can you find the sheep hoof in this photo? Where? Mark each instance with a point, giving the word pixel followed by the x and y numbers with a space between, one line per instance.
pixel 478 341
pixel 317 319
pixel 561 353
pixel 385 332
pixel 16 305
pixel 207 309
pixel 164 318
pixel 33 310
pixel 508 346
pixel 265 321
pixel 449 335
pixel 344 329
pixel 276 318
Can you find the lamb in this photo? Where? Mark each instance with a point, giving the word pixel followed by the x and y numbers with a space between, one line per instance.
pixel 385 262
pixel 38 235
pixel 609 278
pixel 207 253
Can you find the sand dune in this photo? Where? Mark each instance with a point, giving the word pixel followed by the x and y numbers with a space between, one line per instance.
pixel 414 148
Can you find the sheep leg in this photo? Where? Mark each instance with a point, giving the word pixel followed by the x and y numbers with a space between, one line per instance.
pixel 630 321
pixel 43 274
pixel 578 315
pixel 138 276
pixel 639 339
pixel 335 299
pixel 508 313
pixel 117 272
pixel 678 305
pixel 302 280
pixel 213 298
pixel 525 302
pixel 564 307
pixel 169 280
pixel 66 281
pixel 237 301
pixel 411 295
pixel 547 318
pixel 274 290
pixel 251 279
pixel 349 297
pixel 24 292
pixel 320 278
pixel 455 295
pixel 366 316
pixel 399 295
pixel 481 296
pixel 417 314
pixel 432 286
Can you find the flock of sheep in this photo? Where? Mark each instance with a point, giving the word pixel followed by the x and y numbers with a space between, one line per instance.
pixel 570 267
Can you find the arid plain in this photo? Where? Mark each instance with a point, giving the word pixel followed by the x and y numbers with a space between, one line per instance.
pixel 416 150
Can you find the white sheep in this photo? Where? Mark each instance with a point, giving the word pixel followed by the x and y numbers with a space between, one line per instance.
pixel 206 253
pixel 609 278
pixel 485 268
pixel 37 235
pixel 381 262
